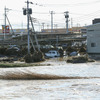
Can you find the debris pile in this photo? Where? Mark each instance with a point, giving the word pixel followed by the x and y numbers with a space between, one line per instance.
pixel 61 52
pixel 2 50
pixel 82 50
pixel 70 50
pixel 79 59
pixel 35 57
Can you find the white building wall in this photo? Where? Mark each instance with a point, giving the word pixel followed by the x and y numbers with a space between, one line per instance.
pixel 93 38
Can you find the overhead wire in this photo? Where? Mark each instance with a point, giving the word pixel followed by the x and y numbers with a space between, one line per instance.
pixel 81 18
pixel 88 16
pixel 75 4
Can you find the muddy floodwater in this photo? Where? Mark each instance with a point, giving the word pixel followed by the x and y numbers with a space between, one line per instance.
pixel 58 81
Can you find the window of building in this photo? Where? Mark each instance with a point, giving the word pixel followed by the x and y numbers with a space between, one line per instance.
pixel 93 44
pixel 90 30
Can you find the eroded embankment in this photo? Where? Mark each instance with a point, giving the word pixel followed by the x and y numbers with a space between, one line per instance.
pixel 36 76
pixel 29 76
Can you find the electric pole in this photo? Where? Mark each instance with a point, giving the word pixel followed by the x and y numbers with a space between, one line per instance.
pixel 5 15
pixel 55 25
pixel 27 11
pixel 28 26
pixel 47 26
pixel 5 23
pixel 43 26
pixel 71 22
pixel 51 12
pixel 66 16
pixel 72 25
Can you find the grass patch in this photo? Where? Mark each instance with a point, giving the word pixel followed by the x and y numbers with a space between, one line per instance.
pixel 13 65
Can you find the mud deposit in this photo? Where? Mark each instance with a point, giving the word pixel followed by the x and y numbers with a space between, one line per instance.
pixel 60 81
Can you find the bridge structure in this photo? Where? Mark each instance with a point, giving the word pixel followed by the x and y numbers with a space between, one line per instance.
pixel 45 38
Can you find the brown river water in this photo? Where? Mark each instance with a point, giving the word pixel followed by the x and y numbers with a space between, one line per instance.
pixel 58 81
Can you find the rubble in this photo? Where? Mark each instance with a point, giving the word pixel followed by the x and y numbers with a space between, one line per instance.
pixel 79 59
pixel 35 57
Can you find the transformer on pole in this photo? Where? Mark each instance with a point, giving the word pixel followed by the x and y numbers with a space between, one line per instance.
pixel 66 16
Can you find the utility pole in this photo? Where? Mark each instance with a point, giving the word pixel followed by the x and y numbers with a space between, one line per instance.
pixel 5 23
pixel 55 25
pixel 66 16
pixel 51 12
pixel 28 11
pixel 39 26
pixel 57 40
pixel 43 26
pixel 71 22
pixel 5 15
pixel 47 26
pixel 28 26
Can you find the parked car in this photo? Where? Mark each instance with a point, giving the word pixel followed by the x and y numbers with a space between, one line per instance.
pixel 52 53
pixel 48 47
pixel 10 46
pixel 74 53
pixel 13 47
pixel 64 45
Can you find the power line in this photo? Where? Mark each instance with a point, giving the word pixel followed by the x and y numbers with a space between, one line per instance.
pixel 87 15
pixel 58 13
pixel 75 4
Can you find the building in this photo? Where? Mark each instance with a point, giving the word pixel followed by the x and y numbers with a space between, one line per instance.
pixel 63 30
pixel 9 34
pixel 93 40
pixel 96 20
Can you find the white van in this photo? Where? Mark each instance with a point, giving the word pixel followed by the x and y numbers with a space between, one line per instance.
pixel 52 53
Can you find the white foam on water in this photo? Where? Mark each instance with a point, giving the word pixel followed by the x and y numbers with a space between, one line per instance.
pixel 22 98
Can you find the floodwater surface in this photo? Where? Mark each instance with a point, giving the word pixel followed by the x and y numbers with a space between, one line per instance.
pixel 59 81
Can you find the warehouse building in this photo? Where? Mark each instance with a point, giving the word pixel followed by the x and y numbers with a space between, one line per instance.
pixel 93 40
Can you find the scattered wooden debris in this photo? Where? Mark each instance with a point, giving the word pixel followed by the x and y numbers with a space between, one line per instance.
pixel 35 57
pixel 79 59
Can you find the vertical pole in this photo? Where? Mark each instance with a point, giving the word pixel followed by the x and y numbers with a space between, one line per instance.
pixel 47 26
pixel 57 41
pixel 51 21
pixel 39 26
pixel 5 23
pixel 67 25
pixel 43 26
pixel 55 26
pixel 72 24
pixel 66 16
pixel 28 26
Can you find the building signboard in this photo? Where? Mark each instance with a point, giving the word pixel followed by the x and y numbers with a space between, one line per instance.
pixel 5 30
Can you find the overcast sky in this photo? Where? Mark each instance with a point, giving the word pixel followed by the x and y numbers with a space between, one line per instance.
pixel 82 12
